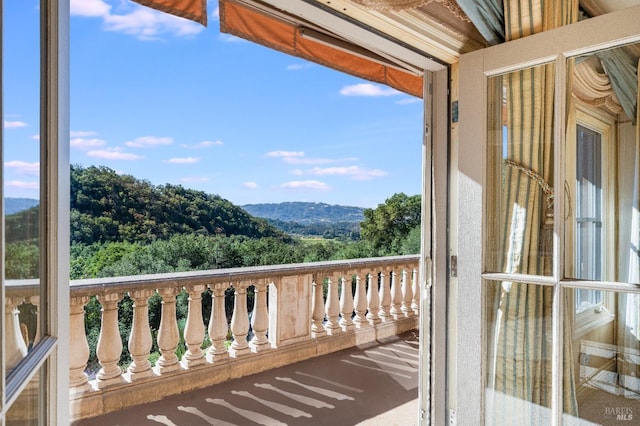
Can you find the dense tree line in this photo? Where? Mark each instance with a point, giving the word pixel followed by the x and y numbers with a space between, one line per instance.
pixel 344 231
pixel 107 206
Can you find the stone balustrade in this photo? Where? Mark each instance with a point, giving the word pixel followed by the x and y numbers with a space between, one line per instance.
pixel 298 312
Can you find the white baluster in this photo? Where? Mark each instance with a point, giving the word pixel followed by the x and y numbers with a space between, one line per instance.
pixel 385 299
pixel 260 319
pixel 239 322
pixel 140 339
pixel 317 316
pixel 346 304
pixel 194 328
pixel 16 347
pixel 407 295
pixel 79 353
pixel 35 301
pixel 373 300
pixel 218 326
pixel 168 335
pixel 109 346
pixel 332 308
pixel 415 285
pixel 360 302
pixel 396 296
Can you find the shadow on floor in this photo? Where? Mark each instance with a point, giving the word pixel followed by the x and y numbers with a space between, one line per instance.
pixel 372 385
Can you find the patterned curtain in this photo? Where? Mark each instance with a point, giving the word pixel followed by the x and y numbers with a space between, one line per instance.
pixel 520 371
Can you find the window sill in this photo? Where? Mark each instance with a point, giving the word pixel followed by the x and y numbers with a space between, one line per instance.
pixel 591 319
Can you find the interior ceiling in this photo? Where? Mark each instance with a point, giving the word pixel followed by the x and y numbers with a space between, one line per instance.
pixel 437 27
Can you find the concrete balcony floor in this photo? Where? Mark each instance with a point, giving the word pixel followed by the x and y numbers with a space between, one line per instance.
pixel 369 385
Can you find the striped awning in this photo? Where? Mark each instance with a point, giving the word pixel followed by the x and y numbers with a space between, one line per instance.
pixel 259 23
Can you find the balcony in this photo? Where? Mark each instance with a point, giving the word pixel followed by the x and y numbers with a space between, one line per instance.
pixel 303 312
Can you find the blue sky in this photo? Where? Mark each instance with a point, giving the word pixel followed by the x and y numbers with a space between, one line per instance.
pixel 170 101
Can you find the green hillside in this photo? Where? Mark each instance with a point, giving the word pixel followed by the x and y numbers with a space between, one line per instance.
pixel 107 206
pixel 306 213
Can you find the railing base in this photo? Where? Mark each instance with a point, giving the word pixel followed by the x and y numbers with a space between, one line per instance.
pixel 118 397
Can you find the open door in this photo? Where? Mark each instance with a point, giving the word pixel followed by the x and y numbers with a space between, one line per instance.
pixel 34 255
pixel 434 268
pixel 546 316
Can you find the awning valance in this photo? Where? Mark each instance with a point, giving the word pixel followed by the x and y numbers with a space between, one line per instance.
pixel 289 35
pixel 195 10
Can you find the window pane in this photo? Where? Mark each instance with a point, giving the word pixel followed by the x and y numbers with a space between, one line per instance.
pixel 26 409
pixel 605 360
pixel 602 170
pixel 520 172
pixel 518 330
pixel 21 176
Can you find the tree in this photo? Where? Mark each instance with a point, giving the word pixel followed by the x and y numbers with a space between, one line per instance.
pixel 387 226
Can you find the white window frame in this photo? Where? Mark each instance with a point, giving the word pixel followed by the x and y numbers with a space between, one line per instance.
pixel 595 315
pixel 470 348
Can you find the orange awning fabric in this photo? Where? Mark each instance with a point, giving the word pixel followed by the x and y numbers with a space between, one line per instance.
pixel 195 10
pixel 285 36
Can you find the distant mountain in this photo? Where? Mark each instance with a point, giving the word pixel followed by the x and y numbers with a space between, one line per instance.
pixel 15 205
pixel 306 213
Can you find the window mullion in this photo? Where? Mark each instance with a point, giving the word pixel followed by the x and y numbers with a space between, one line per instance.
pixel 560 131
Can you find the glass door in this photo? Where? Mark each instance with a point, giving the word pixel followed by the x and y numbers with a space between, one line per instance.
pixel 548 171
pixel 35 213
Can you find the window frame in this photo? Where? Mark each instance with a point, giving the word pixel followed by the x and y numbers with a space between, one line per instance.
pixel 595 315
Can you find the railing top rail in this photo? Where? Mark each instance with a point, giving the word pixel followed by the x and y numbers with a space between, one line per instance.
pixel 214 276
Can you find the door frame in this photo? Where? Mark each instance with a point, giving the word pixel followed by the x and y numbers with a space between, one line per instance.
pixel 433 259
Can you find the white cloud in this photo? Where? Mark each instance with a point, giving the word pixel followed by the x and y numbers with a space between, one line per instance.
pixel 298 66
pixel 203 144
pixel 22 184
pixel 367 89
pixel 228 38
pixel 298 160
pixel 35 137
pixel 14 124
pixel 354 172
pixel 194 179
pixel 148 141
pixel 23 167
pixel 148 24
pixel 297 157
pixel 285 154
pixel 89 8
pixel 215 12
pixel 185 160
pixel 409 100
pixel 297 172
pixel 139 21
pixel 81 134
pixel 250 185
pixel 113 154
pixel 84 144
pixel 306 184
